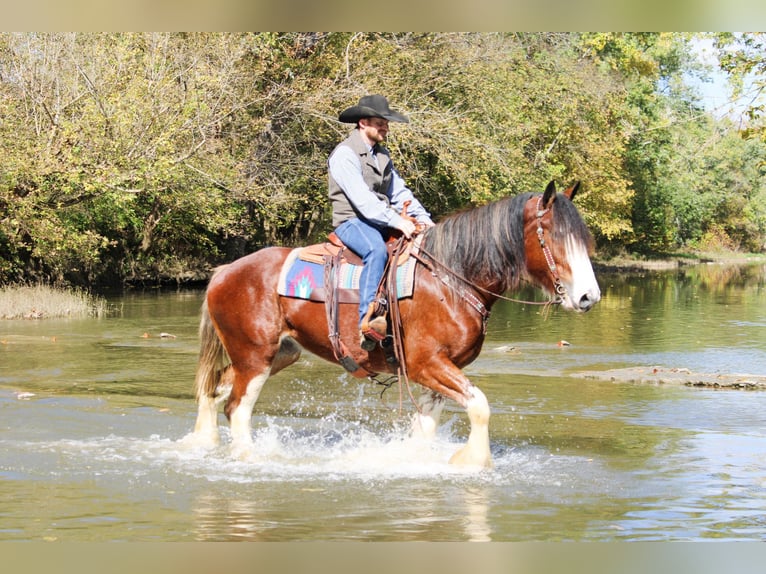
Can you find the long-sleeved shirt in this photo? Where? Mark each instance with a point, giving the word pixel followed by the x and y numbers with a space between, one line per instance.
pixel 345 168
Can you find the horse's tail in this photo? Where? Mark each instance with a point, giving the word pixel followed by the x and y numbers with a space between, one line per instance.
pixel 213 358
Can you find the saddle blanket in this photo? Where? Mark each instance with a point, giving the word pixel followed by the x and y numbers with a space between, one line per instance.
pixel 305 279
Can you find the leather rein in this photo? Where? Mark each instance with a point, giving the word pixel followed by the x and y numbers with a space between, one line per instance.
pixel 469 292
pixel 473 300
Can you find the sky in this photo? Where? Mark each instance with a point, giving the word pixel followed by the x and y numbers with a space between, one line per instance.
pixel 716 94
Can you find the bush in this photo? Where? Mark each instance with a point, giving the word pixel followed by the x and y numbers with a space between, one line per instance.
pixel 716 240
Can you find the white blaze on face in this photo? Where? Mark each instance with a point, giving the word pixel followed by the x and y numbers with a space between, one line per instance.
pixel 583 291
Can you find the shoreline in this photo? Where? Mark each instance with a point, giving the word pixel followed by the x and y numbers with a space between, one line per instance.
pixel 677 376
pixel 675 261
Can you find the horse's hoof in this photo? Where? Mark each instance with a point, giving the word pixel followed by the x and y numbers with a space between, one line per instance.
pixel 207 441
pixel 467 459
pixel 244 453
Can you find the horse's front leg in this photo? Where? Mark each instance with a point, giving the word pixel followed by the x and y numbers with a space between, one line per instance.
pixel 444 377
pixel 476 450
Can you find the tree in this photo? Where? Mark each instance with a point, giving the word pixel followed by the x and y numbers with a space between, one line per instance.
pixel 743 58
pixel 498 114
pixel 102 148
pixel 148 156
pixel 650 64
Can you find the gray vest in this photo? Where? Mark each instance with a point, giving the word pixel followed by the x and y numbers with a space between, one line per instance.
pixel 377 177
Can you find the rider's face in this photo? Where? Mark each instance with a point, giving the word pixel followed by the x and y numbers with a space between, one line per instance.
pixel 374 130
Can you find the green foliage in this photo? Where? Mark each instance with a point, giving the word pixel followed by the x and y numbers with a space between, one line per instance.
pixel 741 56
pixel 149 156
pixel 497 114
pixel 101 143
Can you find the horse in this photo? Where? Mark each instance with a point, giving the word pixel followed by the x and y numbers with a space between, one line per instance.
pixel 467 260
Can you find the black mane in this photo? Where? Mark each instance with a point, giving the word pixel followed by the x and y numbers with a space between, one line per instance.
pixel 486 244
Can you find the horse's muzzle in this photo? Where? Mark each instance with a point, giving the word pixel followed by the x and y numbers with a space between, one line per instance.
pixel 588 300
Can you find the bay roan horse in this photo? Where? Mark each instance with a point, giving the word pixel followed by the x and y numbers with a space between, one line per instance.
pixel 248 332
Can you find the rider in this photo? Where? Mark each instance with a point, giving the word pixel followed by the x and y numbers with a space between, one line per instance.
pixel 368 196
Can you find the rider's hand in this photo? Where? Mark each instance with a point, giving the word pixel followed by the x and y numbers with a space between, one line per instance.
pixel 407 227
pixel 421 226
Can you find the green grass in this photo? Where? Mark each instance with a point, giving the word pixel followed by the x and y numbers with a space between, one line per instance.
pixel 45 302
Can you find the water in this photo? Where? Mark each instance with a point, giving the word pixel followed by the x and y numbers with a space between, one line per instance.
pixel 93 413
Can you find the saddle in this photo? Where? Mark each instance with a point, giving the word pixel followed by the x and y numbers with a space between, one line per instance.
pixel 320 252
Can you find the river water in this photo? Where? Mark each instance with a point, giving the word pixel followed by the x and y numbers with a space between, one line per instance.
pixel 93 413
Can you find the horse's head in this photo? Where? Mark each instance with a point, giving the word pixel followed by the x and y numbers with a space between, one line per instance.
pixel 558 247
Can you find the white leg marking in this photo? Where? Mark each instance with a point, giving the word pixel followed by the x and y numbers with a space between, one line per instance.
pixel 205 432
pixel 426 421
pixel 476 450
pixel 241 438
pixel 206 428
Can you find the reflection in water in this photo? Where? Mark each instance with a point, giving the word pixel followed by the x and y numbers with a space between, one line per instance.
pixel 221 518
pixel 314 511
pixel 686 318
pixel 362 487
pixel 476 502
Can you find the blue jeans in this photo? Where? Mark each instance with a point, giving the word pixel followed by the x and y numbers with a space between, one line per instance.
pixel 368 243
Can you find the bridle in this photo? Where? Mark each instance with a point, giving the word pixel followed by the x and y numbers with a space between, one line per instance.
pixel 558 286
pixel 474 301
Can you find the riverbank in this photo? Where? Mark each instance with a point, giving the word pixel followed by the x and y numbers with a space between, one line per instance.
pixel 44 301
pixel 632 262
pixel 655 375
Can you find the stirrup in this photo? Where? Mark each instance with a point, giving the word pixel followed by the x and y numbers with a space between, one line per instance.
pixel 373 332
pixel 377 308
pixel 389 352
pixel 375 329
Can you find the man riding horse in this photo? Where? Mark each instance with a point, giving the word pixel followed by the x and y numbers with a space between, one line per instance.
pixel 368 197
pixel 250 331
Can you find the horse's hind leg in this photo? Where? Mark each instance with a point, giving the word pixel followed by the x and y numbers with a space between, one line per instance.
pixel 239 408
pixel 206 426
pixel 247 384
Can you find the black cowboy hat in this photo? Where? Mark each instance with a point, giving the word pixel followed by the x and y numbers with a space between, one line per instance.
pixel 371 107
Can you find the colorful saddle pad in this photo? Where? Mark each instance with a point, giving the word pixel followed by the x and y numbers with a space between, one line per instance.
pixel 304 279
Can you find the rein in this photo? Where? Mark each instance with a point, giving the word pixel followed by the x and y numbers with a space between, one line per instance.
pixel 478 304
pixel 473 285
pixel 397 330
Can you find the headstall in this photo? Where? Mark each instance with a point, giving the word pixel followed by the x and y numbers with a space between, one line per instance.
pixel 559 287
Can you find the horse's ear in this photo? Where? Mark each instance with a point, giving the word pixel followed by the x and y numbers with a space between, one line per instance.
pixel 572 191
pixel 550 195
